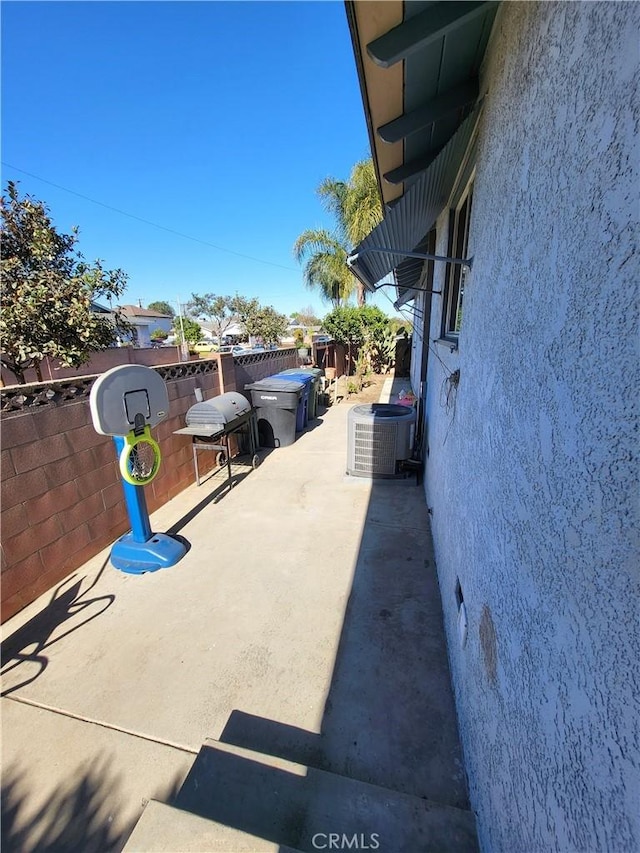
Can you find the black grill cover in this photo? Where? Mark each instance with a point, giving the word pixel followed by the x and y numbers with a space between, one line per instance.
pixel 218 410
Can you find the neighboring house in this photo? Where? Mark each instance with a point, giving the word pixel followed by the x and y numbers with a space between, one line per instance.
pixel 112 316
pixel 97 308
pixel 507 133
pixel 145 322
pixel 234 331
pixel 103 312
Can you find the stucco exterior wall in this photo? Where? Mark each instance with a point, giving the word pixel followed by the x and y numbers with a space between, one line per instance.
pixel 532 475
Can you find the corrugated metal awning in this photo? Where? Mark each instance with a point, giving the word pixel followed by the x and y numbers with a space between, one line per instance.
pixel 412 217
pixel 410 271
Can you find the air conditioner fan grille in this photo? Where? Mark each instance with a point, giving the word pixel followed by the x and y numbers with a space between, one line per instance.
pixel 374 448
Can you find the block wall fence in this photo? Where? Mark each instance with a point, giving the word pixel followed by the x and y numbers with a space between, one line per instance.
pixel 62 498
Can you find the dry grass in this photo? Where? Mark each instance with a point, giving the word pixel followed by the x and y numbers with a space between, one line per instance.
pixel 370 393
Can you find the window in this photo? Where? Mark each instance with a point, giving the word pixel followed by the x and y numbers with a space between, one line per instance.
pixel 457 274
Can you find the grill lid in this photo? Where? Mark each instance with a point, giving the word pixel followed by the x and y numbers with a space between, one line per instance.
pixel 219 410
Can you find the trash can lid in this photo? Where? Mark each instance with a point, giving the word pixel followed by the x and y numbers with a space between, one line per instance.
pixel 296 375
pixel 315 371
pixel 276 383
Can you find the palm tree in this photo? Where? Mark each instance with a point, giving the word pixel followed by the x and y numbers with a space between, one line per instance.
pixel 362 208
pixel 355 204
pixel 325 258
pixel 356 207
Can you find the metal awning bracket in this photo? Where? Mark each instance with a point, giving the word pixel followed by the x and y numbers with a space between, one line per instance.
pixel 465 262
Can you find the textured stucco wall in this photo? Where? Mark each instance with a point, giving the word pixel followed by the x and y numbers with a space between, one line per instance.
pixel 532 473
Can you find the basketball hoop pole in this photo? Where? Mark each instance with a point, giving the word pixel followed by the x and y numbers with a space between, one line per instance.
pixel 136 503
pixel 141 550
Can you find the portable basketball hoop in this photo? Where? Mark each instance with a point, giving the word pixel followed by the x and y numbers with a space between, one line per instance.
pixel 126 402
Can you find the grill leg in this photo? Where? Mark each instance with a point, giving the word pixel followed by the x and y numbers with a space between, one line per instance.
pixel 228 462
pixel 195 462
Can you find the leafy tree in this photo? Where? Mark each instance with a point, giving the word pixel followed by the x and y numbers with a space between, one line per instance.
pixel 245 311
pixel 374 321
pixel 356 207
pixel 270 325
pixel 306 317
pixel 365 327
pixel 162 308
pixel 344 325
pixel 217 309
pixel 47 291
pixel 192 331
pixel 400 326
pixel 259 321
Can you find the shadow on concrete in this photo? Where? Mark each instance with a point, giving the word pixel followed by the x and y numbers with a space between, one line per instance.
pixel 389 719
pixel 241 472
pixel 273 738
pixel 389 716
pixel 293 808
pixel 68 604
pixel 74 818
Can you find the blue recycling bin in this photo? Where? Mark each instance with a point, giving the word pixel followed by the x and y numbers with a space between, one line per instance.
pixel 308 380
pixel 300 373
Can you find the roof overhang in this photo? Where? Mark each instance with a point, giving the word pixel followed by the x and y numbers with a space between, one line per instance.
pixel 418 64
pixel 406 226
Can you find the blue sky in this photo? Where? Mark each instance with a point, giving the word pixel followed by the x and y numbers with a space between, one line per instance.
pixel 216 120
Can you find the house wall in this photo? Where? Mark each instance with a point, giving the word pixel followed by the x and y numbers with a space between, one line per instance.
pixel 142 336
pixel 164 323
pixel 531 476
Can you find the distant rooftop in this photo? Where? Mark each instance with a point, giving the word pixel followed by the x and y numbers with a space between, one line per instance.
pixel 137 311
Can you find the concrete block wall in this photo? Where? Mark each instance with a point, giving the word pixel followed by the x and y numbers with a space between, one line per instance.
pixel 251 368
pixel 52 369
pixel 62 499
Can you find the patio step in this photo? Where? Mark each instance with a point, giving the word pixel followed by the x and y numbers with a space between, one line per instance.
pixel 291 804
pixel 167 829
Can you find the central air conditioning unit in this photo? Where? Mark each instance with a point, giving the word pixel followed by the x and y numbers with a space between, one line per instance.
pixel 380 437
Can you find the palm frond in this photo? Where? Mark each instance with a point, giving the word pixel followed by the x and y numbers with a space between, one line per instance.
pixel 333 195
pixel 315 240
pixel 362 208
pixel 356 207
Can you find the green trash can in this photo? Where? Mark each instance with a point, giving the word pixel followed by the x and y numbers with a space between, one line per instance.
pixel 317 373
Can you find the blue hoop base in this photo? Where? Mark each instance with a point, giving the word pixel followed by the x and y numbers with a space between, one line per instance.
pixel 136 558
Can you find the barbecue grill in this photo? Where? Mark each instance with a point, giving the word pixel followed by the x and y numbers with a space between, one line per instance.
pixel 210 423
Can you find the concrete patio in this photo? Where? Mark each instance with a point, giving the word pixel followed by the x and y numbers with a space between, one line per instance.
pixel 291 668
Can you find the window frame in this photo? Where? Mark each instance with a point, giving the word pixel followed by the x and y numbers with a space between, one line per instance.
pixel 456 274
